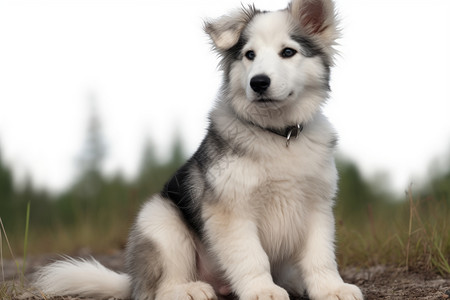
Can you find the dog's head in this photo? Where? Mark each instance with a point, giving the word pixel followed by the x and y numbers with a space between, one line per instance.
pixel 276 64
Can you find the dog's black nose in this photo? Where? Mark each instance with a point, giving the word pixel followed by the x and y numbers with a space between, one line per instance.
pixel 260 83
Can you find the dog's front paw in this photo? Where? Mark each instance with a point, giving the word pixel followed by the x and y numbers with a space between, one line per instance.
pixel 272 292
pixel 189 291
pixel 344 291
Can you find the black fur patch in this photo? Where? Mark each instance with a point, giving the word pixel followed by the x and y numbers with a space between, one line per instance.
pixel 231 55
pixel 179 190
pixel 213 145
pixel 189 186
pixel 309 48
pixel 326 78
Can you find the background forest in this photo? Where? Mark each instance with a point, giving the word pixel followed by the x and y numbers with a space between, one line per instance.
pixel 374 226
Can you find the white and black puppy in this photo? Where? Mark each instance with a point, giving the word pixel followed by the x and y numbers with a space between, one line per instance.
pixel 250 214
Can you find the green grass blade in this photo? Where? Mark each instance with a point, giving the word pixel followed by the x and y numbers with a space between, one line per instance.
pixel 25 242
pixel 1 257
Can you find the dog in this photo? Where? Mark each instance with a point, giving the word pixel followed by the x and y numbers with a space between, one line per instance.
pixel 250 214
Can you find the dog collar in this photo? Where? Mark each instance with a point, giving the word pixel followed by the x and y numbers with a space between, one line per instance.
pixel 288 132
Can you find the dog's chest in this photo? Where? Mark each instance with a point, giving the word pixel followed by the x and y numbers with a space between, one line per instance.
pixel 281 216
pixel 239 179
pixel 256 180
pixel 276 192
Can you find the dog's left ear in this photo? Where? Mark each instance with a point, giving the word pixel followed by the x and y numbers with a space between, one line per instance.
pixel 226 30
pixel 316 17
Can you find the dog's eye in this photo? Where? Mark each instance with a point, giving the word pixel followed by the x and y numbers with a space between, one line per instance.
pixel 288 52
pixel 250 54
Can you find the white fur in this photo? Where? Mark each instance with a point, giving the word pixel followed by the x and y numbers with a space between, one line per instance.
pixel 274 212
pixel 225 32
pixel 268 36
pixel 187 291
pixel 263 214
pixel 161 222
pixel 82 277
pixel 226 39
pixel 292 80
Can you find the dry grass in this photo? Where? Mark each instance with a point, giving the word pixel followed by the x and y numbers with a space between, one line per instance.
pixel 414 235
pixel 8 290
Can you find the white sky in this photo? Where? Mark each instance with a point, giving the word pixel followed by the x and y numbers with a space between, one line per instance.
pixel 149 66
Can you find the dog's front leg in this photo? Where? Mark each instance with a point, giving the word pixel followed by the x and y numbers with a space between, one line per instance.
pixel 318 263
pixel 234 242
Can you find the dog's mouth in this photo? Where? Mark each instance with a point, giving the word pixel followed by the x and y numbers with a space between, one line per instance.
pixel 265 100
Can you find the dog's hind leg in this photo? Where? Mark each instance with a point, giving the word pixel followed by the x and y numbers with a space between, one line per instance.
pixel 161 256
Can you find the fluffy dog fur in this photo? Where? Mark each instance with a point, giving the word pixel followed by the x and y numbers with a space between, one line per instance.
pixel 250 213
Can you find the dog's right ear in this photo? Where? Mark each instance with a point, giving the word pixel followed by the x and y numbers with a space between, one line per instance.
pixel 226 30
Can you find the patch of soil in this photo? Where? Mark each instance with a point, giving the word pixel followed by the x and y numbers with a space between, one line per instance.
pixel 379 282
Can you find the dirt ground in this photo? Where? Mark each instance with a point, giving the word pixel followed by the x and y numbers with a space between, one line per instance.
pixel 379 282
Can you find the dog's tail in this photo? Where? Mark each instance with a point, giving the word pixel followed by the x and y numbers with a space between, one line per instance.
pixel 82 277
